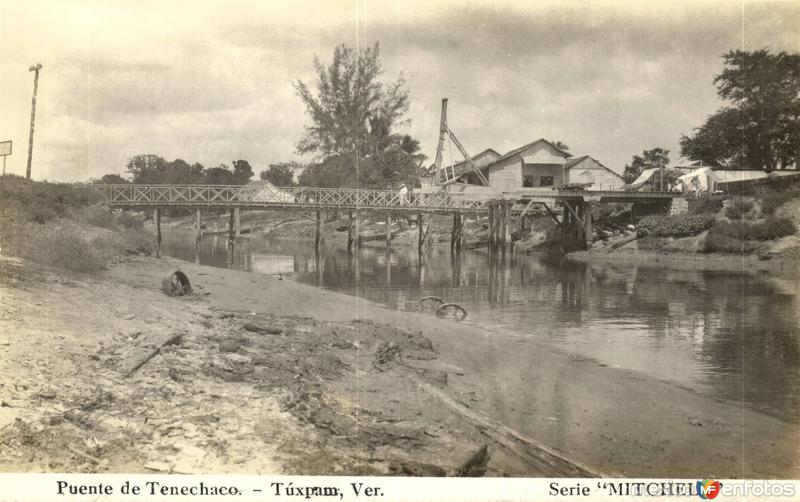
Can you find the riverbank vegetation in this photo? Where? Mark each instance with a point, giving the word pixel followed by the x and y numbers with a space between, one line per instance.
pixel 745 223
pixel 66 226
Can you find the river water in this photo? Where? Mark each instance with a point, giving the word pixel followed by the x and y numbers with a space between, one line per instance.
pixel 730 335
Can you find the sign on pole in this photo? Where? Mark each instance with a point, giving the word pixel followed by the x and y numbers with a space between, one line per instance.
pixel 5 151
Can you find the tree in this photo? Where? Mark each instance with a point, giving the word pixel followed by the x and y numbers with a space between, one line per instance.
pixel 281 174
pixel 353 115
pixel 146 168
pixel 561 145
pixel 242 172
pixel 112 179
pixel 220 175
pixel 760 127
pixel 655 157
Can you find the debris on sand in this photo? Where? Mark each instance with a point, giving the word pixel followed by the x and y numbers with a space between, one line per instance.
pixel 264 330
pixel 476 465
pixel 173 340
pixel 176 284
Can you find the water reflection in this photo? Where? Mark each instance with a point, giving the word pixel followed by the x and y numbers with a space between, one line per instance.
pixel 727 334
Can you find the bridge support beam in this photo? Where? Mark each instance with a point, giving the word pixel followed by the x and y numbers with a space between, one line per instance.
pixel 588 215
pixel 236 222
pixel 157 218
pixel 357 231
pixel 198 235
pixel 490 230
pixel 500 224
pixel 388 230
pixel 231 229
pixel 318 232
pixel 507 225
pixel 462 234
pixel 420 234
pixel 350 232
pixel 456 236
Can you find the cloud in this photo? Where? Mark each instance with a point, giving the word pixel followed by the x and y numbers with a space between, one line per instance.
pixel 213 83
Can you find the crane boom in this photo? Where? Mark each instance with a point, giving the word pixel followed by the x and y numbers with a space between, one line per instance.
pixel 444 132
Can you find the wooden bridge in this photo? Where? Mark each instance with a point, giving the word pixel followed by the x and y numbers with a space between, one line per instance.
pixel 501 207
pixel 265 197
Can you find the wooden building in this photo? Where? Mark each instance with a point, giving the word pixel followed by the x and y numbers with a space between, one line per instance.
pixel 539 164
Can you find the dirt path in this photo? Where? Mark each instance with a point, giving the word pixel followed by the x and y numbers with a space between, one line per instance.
pixel 331 383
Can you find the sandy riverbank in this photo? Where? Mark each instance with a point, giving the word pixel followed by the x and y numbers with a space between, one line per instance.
pixel 334 384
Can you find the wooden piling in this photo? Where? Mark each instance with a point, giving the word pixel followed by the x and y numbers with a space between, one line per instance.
pixel 507 224
pixel 588 213
pixel 318 231
pixel 158 232
pixel 388 266
pixel 454 234
pixel 231 229
pixel 350 232
pixel 420 235
pixel 236 222
pixel 388 230
pixel 490 235
pixel 198 235
pixel 357 230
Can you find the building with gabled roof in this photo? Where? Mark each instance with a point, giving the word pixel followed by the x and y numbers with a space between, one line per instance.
pixel 539 163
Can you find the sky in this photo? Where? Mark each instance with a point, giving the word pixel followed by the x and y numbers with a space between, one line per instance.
pixel 211 82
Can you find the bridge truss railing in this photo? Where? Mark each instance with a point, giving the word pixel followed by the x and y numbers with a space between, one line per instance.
pixel 129 195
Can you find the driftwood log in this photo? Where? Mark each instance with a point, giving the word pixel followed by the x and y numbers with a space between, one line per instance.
pixel 173 340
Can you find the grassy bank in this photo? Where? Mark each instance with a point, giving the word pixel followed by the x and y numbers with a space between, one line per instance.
pixel 66 226
pixel 761 223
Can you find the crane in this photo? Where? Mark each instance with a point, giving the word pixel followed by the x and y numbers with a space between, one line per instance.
pixel 445 132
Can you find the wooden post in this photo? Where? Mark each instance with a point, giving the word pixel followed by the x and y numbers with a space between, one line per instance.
pixel 454 234
pixel 498 222
pixel 420 235
pixel 430 235
pixel 388 230
pixel 350 232
pixel 236 222
pixel 501 224
pixel 463 221
pixel 587 223
pixel 231 229
pixel 158 232
pixel 357 230
pixel 318 231
pixel 507 224
pixel 490 239
pixel 388 266
pixel 197 236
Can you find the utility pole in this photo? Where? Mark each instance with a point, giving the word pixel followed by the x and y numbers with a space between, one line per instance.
pixel 35 69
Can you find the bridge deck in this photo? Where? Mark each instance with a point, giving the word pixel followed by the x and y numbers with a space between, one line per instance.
pixel 262 197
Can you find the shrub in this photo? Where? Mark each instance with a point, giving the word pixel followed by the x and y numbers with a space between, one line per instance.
pixel 679 225
pixel 773 200
pixel 97 215
pixel 710 205
pixel 56 247
pixel 769 229
pixel 738 208
pixel 128 220
pixel 41 201
pixel 720 243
